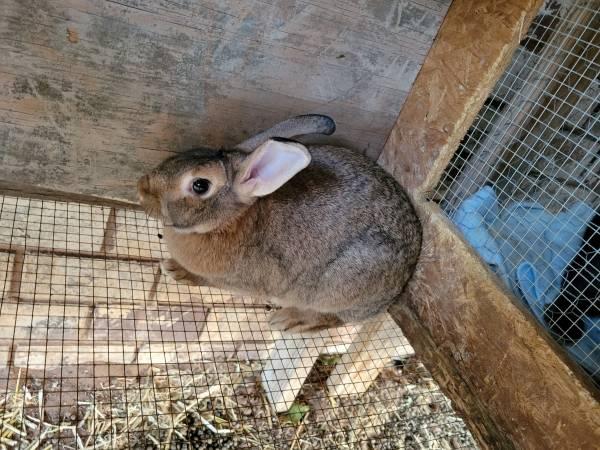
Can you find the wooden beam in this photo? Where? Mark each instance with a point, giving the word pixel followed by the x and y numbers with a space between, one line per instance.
pixel 289 363
pixel 473 47
pixel 513 385
pixel 378 341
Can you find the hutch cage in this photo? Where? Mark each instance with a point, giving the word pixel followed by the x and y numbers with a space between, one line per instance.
pixel 99 350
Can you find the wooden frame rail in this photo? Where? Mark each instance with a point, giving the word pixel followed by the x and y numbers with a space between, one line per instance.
pixel 510 381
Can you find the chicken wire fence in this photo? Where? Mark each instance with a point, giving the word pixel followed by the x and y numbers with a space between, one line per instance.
pixel 524 186
pixel 99 350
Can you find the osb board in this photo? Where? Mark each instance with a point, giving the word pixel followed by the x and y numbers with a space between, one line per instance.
pixel 513 385
pixel 94 93
pixel 496 364
pixel 472 49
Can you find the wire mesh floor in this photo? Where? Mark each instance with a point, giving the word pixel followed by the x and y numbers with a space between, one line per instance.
pixel 524 186
pixel 98 350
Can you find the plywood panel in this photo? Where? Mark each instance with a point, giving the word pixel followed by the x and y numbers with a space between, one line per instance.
pixel 94 93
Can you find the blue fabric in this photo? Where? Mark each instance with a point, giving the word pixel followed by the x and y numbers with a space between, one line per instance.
pixel 529 248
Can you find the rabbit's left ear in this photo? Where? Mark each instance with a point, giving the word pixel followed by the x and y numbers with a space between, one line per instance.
pixel 269 167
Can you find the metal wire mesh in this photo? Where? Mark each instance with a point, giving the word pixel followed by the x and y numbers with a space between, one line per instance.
pixel 524 186
pixel 99 350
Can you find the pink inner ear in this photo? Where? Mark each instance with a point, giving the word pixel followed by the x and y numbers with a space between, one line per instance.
pixel 255 167
pixel 254 172
pixel 272 165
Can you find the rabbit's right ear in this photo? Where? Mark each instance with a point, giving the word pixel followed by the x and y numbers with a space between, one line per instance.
pixel 269 167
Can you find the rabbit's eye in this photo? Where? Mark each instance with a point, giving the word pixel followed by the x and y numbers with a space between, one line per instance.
pixel 201 186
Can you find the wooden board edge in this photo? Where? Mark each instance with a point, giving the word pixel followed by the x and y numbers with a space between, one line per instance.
pixel 465 402
pixel 471 51
pixel 459 299
pixel 35 192
pixel 512 384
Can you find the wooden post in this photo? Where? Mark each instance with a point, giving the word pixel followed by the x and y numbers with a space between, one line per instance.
pixel 374 346
pixel 506 130
pixel 514 387
pixel 287 367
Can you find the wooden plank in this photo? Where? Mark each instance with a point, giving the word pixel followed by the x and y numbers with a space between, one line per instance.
pixel 472 49
pixel 49 357
pixel 6 273
pixel 136 235
pixel 500 370
pixel 4 360
pixel 188 352
pixel 292 358
pixel 184 352
pixel 495 363
pixel 507 128
pixel 146 78
pixel 247 324
pixel 85 280
pixel 75 280
pixel 248 329
pixel 378 341
pixel 43 321
pixel 284 373
pixel 238 324
pixel 148 323
pixel 169 291
pixel 51 224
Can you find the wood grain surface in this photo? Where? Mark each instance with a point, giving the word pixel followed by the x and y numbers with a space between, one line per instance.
pixel 93 93
pixel 512 384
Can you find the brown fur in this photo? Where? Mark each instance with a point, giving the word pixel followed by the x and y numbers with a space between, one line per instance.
pixel 336 243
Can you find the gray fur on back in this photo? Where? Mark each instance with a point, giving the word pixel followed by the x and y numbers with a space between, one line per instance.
pixel 341 236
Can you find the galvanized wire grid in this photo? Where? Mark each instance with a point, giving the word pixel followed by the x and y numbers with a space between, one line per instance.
pixel 99 350
pixel 524 186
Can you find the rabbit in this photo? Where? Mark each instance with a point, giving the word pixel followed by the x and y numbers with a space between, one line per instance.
pixel 322 231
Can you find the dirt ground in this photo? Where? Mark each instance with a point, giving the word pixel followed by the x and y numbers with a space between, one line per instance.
pixel 221 405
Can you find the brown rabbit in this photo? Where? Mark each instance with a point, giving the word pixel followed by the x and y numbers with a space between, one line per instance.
pixel 322 231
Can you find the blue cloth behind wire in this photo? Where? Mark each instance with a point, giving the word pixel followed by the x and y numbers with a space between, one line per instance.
pixel 535 252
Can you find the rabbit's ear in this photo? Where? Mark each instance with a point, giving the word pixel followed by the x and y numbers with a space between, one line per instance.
pixel 269 167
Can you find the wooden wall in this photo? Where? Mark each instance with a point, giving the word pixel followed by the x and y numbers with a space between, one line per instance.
pixel 92 93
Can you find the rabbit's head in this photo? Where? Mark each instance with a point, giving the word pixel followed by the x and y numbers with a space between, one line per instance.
pixel 202 190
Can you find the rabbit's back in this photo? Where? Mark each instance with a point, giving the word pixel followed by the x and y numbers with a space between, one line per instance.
pixel 341 234
pixel 338 198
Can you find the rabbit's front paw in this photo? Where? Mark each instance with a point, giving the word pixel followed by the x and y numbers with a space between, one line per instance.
pixel 286 319
pixel 172 269
pixel 293 320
